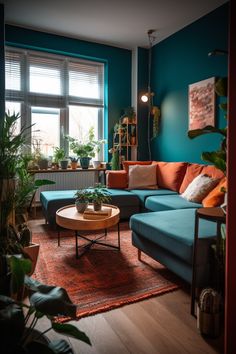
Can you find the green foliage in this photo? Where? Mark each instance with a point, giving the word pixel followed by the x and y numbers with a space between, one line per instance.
pixel 88 147
pixel 115 164
pixel 99 194
pixel 83 195
pixel 58 155
pixel 17 326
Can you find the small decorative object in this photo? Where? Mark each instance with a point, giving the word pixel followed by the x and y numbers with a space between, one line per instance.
pixel 98 196
pixel 208 312
pixel 83 196
pixel 202 104
pixel 96 164
pixel 43 163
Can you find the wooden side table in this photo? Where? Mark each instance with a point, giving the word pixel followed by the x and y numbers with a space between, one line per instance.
pixel 212 214
pixel 68 218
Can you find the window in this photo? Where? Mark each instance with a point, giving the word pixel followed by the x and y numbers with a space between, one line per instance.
pixel 59 95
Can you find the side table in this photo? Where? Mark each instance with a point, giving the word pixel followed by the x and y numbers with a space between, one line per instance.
pixel 212 214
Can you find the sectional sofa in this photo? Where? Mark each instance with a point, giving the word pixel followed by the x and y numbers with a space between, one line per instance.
pixel 161 220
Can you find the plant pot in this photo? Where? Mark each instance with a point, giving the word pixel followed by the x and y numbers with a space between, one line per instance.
pixel 80 206
pixel 84 162
pixel 43 164
pixel 208 323
pixel 74 165
pixel 32 251
pixel 64 164
pixel 97 206
pixel 96 164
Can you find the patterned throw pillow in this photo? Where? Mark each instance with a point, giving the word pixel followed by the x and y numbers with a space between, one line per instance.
pixel 198 189
pixel 142 177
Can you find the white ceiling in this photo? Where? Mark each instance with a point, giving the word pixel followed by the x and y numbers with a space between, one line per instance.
pixel 122 23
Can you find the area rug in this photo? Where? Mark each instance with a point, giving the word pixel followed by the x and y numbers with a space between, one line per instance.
pixel 103 278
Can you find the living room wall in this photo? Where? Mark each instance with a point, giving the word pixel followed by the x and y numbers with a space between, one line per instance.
pixel 117 60
pixel 178 61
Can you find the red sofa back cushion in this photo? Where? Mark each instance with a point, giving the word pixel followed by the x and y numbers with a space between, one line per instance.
pixel 126 164
pixel 116 179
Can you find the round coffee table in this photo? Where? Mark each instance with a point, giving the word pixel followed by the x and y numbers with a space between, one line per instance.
pixel 69 218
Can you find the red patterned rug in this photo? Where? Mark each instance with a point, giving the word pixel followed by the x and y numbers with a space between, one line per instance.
pixel 103 278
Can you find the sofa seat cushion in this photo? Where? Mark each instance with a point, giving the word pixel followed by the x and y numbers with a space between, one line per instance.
pixel 174 231
pixel 142 194
pixel 169 202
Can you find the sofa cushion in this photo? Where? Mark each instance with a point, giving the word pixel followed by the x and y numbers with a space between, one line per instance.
pixel 142 177
pixel 116 179
pixel 198 189
pixel 169 202
pixel 192 171
pixel 216 196
pixel 174 231
pixel 212 171
pixel 170 174
pixel 126 164
pixel 142 194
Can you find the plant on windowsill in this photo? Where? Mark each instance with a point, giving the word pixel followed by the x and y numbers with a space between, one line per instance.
pixel 86 149
pixel 74 162
pixel 59 157
pixel 38 156
pixel 18 319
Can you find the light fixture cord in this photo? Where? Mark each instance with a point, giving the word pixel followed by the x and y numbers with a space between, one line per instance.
pixel 150 100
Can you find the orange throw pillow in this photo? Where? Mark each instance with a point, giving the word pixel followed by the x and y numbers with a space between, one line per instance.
pixel 216 196
pixel 193 170
pixel 126 164
pixel 117 179
pixel 170 174
pixel 212 171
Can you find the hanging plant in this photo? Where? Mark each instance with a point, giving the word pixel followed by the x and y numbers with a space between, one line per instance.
pixel 156 121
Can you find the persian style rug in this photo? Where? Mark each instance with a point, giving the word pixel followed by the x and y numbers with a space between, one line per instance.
pixel 103 278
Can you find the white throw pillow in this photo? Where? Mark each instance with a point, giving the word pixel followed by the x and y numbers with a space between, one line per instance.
pixel 198 189
pixel 142 177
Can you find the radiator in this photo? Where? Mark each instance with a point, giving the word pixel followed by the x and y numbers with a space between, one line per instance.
pixel 67 180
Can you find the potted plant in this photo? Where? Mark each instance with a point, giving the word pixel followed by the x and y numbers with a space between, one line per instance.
pixel 18 319
pixel 98 196
pixel 39 158
pixel 87 149
pixel 82 199
pixel 59 157
pixel 74 162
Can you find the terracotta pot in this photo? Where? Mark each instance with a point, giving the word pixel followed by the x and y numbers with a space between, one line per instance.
pixel 32 251
pixel 73 165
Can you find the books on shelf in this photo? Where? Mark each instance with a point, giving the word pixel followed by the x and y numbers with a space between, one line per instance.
pixel 91 214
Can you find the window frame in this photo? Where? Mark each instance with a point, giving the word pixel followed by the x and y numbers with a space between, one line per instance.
pixel 29 99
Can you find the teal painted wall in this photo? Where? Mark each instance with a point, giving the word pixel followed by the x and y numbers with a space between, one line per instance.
pixel 178 61
pixel 142 108
pixel 117 60
pixel 2 63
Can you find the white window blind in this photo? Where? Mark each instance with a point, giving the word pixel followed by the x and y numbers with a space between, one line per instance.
pixel 47 82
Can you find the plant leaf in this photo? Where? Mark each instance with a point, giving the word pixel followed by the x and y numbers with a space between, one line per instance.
pixel 218 158
pixel 19 267
pixel 208 129
pixel 50 300
pixel 221 86
pixel 42 182
pixel 71 330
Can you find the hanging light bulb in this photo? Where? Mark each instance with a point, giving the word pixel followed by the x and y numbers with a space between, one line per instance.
pixel 144 98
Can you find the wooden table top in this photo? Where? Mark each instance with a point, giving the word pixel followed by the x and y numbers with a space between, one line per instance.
pixel 214 214
pixel 69 218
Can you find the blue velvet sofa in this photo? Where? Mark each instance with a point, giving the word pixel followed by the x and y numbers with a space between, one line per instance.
pixel 161 221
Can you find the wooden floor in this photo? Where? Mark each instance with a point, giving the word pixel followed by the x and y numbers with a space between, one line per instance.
pixel 160 325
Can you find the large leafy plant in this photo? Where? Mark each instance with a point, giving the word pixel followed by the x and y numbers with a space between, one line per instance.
pixel 218 157
pixel 18 319
pixel 86 148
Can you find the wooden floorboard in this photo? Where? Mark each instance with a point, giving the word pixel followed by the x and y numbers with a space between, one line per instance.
pixel 160 325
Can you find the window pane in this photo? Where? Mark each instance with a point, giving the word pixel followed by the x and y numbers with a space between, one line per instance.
pixel 46 131
pixel 13 74
pixel 45 80
pixel 14 108
pixel 81 119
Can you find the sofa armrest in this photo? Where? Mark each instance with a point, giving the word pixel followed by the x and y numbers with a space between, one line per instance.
pixel 116 179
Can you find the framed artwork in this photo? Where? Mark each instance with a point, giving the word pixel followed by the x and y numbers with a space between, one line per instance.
pixel 202 104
